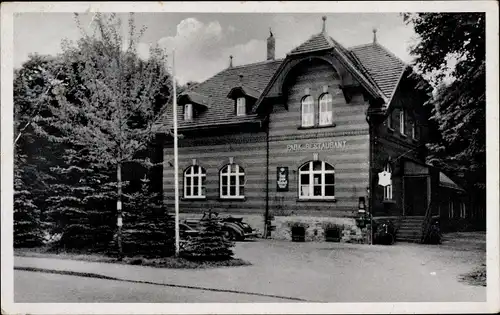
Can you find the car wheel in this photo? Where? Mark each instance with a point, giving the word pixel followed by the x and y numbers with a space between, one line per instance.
pixel 229 235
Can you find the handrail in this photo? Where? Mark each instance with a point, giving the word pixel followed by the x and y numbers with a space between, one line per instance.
pixel 426 224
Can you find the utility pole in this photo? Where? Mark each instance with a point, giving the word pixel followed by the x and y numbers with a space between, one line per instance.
pixel 176 159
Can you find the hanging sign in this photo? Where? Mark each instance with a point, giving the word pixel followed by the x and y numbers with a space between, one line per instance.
pixel 282 178
pixel 384 178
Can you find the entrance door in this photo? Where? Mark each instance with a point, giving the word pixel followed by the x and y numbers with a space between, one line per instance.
pixel 416 195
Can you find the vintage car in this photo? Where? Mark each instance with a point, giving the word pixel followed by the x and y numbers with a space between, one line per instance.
pixel 233 228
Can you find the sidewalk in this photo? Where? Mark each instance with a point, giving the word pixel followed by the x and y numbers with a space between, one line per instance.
pixel 315 272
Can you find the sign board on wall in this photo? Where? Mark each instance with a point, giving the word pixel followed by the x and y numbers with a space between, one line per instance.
pixel 282 178
pixel 317 146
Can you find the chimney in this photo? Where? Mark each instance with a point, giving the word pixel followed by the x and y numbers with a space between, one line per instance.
pixel 374 35
pixel 271 44
pixel 231 61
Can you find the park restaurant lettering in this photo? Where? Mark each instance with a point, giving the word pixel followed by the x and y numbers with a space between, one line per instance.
pixel 318 146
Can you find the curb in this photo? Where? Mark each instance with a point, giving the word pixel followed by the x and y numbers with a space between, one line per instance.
pixel 99 276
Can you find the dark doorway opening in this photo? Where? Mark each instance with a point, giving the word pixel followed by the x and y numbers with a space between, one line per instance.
pixel 416 195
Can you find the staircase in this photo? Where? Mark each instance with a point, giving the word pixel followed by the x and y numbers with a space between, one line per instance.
pixel 410 229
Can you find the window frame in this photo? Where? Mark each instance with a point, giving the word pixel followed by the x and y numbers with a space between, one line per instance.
pixel 238 186
pixel 241 106
pixel 188 114
pixel 390 122
pixel 201 175
pixel 327 102
pixel 402 121
pixel 311 172
pixel 388 190
pixel 311 114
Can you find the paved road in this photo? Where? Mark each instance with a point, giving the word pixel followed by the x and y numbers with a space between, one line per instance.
pixel 316 272
pixel 37 287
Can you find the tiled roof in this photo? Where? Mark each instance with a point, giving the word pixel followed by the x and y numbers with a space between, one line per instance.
pixel 383 66
pixel 196 98
pixel 316 42
pixel 373 63
pixel 255 78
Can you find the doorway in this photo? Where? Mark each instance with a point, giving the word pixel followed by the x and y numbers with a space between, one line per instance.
pixel 416 195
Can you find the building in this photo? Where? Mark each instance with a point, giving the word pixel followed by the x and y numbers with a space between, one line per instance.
pixel 302 140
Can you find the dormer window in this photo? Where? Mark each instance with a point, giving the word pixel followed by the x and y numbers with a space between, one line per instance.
pixel 188 112
pixel 241 108
pixel 307 111
pixel 325 110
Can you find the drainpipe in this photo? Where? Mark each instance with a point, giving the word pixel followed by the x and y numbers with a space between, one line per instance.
pixel 266 216
pixel 370 175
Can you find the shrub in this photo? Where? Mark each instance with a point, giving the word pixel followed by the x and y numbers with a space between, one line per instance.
pixel 210 244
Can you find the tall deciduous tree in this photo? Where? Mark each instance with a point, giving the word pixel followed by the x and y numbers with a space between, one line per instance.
pixel 119 98
pixel 451 53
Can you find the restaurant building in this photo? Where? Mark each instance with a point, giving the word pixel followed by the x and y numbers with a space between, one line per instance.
pixel 304 142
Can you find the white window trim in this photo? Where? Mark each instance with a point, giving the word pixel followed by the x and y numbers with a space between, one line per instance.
pixel 230 173
pixel 241 106
pixel 463 211
pixel 414 130
pixel 325 101
pixel 388 189
pixel 451 210
pixel 200 175
pixel 311 174
pixel 402 122
pixel 310 105
pixel 390 122
pixel 188 112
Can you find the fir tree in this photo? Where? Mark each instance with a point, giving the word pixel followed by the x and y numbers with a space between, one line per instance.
pixel 148 229
pixel 210 244
pixel 28 230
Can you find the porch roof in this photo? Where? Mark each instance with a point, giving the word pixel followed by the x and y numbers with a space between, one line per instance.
pixel 445 181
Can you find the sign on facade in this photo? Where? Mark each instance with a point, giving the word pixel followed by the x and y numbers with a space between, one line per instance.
pixel 317 146
pixel 282 178
pixel 384 178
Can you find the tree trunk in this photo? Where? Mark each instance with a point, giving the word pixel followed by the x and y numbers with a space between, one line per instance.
pixel 119 210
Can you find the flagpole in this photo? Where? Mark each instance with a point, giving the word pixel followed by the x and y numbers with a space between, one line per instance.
pixel 176 159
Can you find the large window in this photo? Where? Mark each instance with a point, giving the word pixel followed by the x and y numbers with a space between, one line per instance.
pixel 325 110
pixel 188 112
pixel 307 105
pixel 388 188
pixel 232 182
pixel 240 106
pixel 194 182
pixel 389 121
pixel 317 180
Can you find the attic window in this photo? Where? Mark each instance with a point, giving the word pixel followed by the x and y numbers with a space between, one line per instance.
pixel 188 112
pixel 240 106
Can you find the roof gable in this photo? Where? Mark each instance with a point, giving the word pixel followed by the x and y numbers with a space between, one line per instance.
pixel 382 66
pixel 315 43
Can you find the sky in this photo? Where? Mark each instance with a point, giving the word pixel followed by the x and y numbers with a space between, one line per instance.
pixel 204 41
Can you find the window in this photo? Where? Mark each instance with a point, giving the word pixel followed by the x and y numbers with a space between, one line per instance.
pixel 188 112
pixel 388 188
pixel 325 110
pixel 240 106
pixel 415 131
pixel 307 111
pixel 194 182
pixel 316 181
pixel 451 213
pixel 232 182
pixel 402 124
pixel 389 121
pixel 463 213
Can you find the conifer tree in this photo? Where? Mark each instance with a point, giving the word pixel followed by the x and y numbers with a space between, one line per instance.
pixel 148 229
